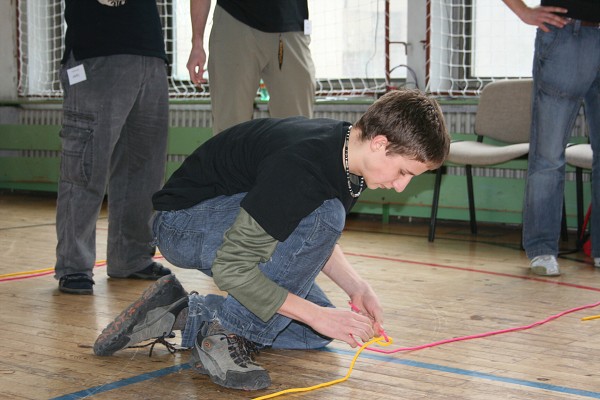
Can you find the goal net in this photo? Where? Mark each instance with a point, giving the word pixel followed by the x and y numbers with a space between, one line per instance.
pixel 348 45
pixel 358 46
pixel 473 42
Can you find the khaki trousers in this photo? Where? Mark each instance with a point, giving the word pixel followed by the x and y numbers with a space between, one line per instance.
pixel 239 56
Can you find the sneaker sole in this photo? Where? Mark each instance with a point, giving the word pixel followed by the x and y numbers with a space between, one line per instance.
pixel 75 291
pixel 125 328
pixel 541 271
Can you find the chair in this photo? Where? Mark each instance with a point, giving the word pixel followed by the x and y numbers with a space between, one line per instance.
pixel 580 156
pixel 504 115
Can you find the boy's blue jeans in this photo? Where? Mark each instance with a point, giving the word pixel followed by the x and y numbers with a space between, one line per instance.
pixel 190 238
pixel 566 70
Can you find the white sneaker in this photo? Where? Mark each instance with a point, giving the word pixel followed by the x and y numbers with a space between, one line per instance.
pixel 545 266
pixel 597 262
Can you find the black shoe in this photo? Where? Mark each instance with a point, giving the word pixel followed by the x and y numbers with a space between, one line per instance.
pixel 76 284
pixel 152 272
pixel 151 316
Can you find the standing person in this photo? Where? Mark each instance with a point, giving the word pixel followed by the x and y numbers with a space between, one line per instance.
pixel 114 133
pixel 260 208
pixel 566 71
pixel 251 40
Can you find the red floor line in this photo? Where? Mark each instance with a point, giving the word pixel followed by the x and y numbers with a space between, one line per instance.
pixel 435 265
pixel 16 278
pixel 529 278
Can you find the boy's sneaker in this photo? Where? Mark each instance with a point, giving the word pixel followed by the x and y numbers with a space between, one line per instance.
pixel 151 316
pixel 76 284
pixel 545 266
pixel 152 272
pixel 597 262
pixel 228 359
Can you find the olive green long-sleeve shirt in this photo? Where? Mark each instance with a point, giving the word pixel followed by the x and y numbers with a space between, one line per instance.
pixel 235 269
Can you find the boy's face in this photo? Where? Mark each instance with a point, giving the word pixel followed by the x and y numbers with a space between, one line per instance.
pixel 391 171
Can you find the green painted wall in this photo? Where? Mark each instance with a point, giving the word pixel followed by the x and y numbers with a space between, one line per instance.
pixel 497 199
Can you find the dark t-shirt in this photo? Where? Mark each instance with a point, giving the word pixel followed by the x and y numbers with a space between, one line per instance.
pixel 96 30
pixel 288 167
pixel 268 15
pixel 585 10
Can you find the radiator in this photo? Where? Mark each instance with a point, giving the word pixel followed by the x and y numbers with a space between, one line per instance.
pixel 459 118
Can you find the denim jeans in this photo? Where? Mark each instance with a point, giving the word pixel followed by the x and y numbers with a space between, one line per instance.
pixel 566 70
pixel 114 133
pixel 190 238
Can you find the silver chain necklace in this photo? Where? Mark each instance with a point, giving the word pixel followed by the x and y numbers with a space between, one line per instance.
pixel 362 180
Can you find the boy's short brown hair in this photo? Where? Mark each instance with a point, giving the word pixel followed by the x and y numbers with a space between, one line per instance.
pixel 412 122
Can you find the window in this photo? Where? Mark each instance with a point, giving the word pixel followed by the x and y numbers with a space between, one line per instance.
pixel 473 42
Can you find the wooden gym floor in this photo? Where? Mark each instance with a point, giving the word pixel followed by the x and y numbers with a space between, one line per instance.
pixel 460 285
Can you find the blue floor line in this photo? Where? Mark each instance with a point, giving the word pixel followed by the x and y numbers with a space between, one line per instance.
pixel 122 383
pixel 380 357
pixel 465 372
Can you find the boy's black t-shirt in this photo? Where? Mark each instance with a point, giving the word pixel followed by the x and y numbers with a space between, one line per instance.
pixel 96 30
pixel 585 10
pixel 288 167
pixel 268 15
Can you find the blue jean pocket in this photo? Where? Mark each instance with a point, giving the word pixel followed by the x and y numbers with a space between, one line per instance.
pixel 182 248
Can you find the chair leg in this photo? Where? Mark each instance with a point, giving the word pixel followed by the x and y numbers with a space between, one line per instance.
pixel 471 199
pixel 579 191
pixel 435 203
pixel 564 233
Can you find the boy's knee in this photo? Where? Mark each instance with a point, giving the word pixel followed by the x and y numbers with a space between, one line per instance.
pixel 336 213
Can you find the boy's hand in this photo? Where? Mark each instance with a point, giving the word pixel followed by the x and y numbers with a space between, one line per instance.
pixel 344 325
pixel 195 65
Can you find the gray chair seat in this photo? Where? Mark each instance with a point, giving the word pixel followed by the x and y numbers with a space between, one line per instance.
pixel 477 153
pixel 579 155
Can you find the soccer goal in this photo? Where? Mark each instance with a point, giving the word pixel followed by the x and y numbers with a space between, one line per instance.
pixel 359 47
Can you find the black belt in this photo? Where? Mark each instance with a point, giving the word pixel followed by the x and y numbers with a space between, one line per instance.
pixel 586 23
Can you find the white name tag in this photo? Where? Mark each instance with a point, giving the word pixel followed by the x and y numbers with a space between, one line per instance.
pixel 307 27
pixel 76 74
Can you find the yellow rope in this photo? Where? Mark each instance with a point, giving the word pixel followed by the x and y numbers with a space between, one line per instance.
pixel 38 271
pixel 44 270
pixel 379 340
